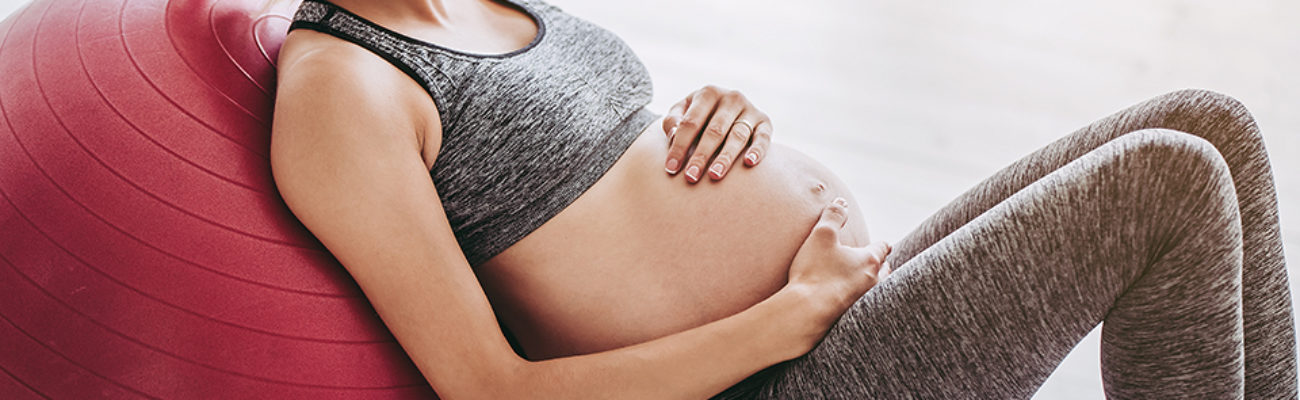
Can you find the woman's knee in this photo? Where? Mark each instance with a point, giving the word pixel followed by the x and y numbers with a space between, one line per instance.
pixel 1216 106
pixel 1177 186
pixel 1174 164
pixel 1217 117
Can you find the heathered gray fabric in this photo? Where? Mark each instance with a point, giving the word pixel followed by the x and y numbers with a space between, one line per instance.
pixel 523 133
pixel 1159 222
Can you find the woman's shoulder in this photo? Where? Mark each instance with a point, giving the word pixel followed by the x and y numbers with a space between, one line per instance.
pixel 315 64
pixel 307 51
pixel 326 78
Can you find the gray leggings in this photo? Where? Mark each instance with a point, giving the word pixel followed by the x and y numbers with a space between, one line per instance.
pixel 1159 222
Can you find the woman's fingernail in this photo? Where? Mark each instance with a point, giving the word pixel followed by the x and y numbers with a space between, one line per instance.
pixel 841 202
pixel 752 157
pixel 672 166
pixel 716 171
pixel 693 172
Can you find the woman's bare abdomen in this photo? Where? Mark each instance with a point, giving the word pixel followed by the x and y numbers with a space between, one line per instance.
pixel 643 254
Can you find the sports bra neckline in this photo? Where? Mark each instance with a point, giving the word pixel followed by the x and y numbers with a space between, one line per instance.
pixel 514 4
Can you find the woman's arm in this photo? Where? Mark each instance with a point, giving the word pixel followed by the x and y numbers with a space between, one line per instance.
pixel 347 162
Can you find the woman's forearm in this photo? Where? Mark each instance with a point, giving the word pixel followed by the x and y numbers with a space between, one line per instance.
pixel 692 364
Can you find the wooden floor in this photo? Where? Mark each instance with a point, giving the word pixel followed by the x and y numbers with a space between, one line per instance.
pixel 912 102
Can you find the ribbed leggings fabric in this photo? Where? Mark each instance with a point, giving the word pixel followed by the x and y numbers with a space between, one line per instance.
pixel 1159 222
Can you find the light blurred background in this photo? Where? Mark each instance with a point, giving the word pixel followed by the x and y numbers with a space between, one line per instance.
pixel 912 102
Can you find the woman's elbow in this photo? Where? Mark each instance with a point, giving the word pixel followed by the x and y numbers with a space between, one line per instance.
pixel 521 379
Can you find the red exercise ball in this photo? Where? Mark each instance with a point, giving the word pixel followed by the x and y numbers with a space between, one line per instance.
pixel 144 250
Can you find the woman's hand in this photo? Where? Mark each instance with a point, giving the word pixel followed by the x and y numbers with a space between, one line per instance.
pixel 720 118
pixel 832 276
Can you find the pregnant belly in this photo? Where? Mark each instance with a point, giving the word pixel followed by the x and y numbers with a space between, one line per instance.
pixel 643 254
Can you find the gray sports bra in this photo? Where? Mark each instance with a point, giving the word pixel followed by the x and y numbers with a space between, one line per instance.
pixel 524 133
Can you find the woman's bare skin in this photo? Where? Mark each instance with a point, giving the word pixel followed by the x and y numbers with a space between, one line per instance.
pixel 643 254
pixel 643 279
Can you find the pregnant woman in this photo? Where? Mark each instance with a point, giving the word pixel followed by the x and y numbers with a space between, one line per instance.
pixel 488 173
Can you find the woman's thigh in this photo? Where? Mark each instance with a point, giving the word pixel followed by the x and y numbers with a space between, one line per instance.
pixel 1217 118
pixel 1229 127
